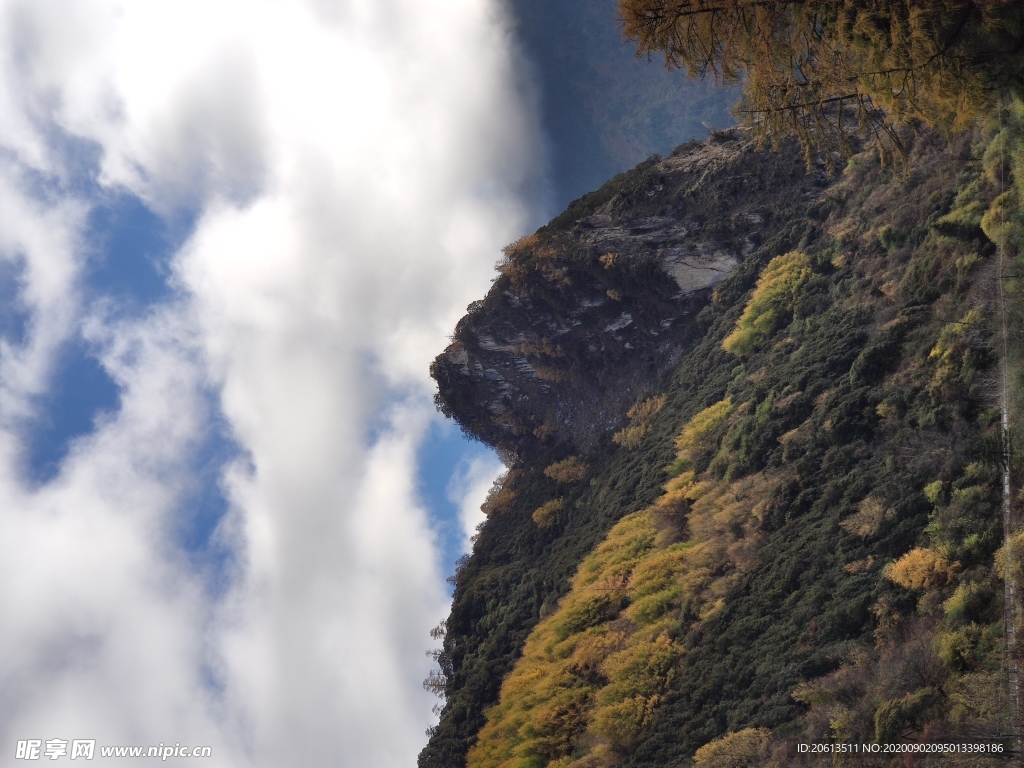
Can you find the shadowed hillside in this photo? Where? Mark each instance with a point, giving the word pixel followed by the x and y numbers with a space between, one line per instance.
pixel 752 404
pixel 829 539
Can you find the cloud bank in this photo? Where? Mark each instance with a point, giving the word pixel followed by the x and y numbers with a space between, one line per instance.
pixel 348 172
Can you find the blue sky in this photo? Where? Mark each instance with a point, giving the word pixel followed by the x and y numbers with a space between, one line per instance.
pixel 232 237
pixel 128 250
pixel 130 270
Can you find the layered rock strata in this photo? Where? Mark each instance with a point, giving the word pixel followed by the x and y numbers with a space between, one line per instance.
pixel 590 312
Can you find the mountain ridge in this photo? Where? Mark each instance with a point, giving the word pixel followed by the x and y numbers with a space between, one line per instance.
pixel 861 416
pixel 536 352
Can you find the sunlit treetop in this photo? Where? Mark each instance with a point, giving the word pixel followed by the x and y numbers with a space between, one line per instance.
pixel 828 71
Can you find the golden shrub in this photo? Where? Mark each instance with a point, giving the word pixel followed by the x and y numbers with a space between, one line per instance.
pixel 775 297
pixel 646 410
pixel 538 348
pixel 1009 560
pixel 522 244
pixel 999 215
pixel 623 722
pixel 642 415
pixel 735 750
pixel 871 513
pixel 630 437
pixel 703 424
pixel 557 722
pixel 640 670
pixel 545 515
pixel 498 503
pixel 547 373
pixel 933 491
pixel 555 274
pixel 861 566
pixel 500 496
pixel 570 470
pixel 543 432
pixel 921 569
pixel 516 272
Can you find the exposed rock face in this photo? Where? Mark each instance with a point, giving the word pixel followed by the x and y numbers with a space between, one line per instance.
pixel 590 312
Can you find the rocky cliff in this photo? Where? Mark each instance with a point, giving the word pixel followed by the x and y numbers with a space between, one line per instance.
pixel 589 313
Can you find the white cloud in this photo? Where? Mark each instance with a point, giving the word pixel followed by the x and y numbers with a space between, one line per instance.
pixel 468 488
pixel 37 243
pixel 104 628
pixel 353 169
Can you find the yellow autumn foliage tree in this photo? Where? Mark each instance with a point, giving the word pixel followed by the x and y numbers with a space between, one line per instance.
pixel 641 417
pixel 570 470
pixel 701 425
pixel 824 71
pixel 545 515
pixel 921 569
pixel 742 749
pixel 774 298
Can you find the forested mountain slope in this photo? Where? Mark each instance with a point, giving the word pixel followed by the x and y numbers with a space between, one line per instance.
pixel 782 520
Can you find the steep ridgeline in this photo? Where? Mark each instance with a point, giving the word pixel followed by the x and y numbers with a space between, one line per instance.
pixel 593 309
pixel 754 492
